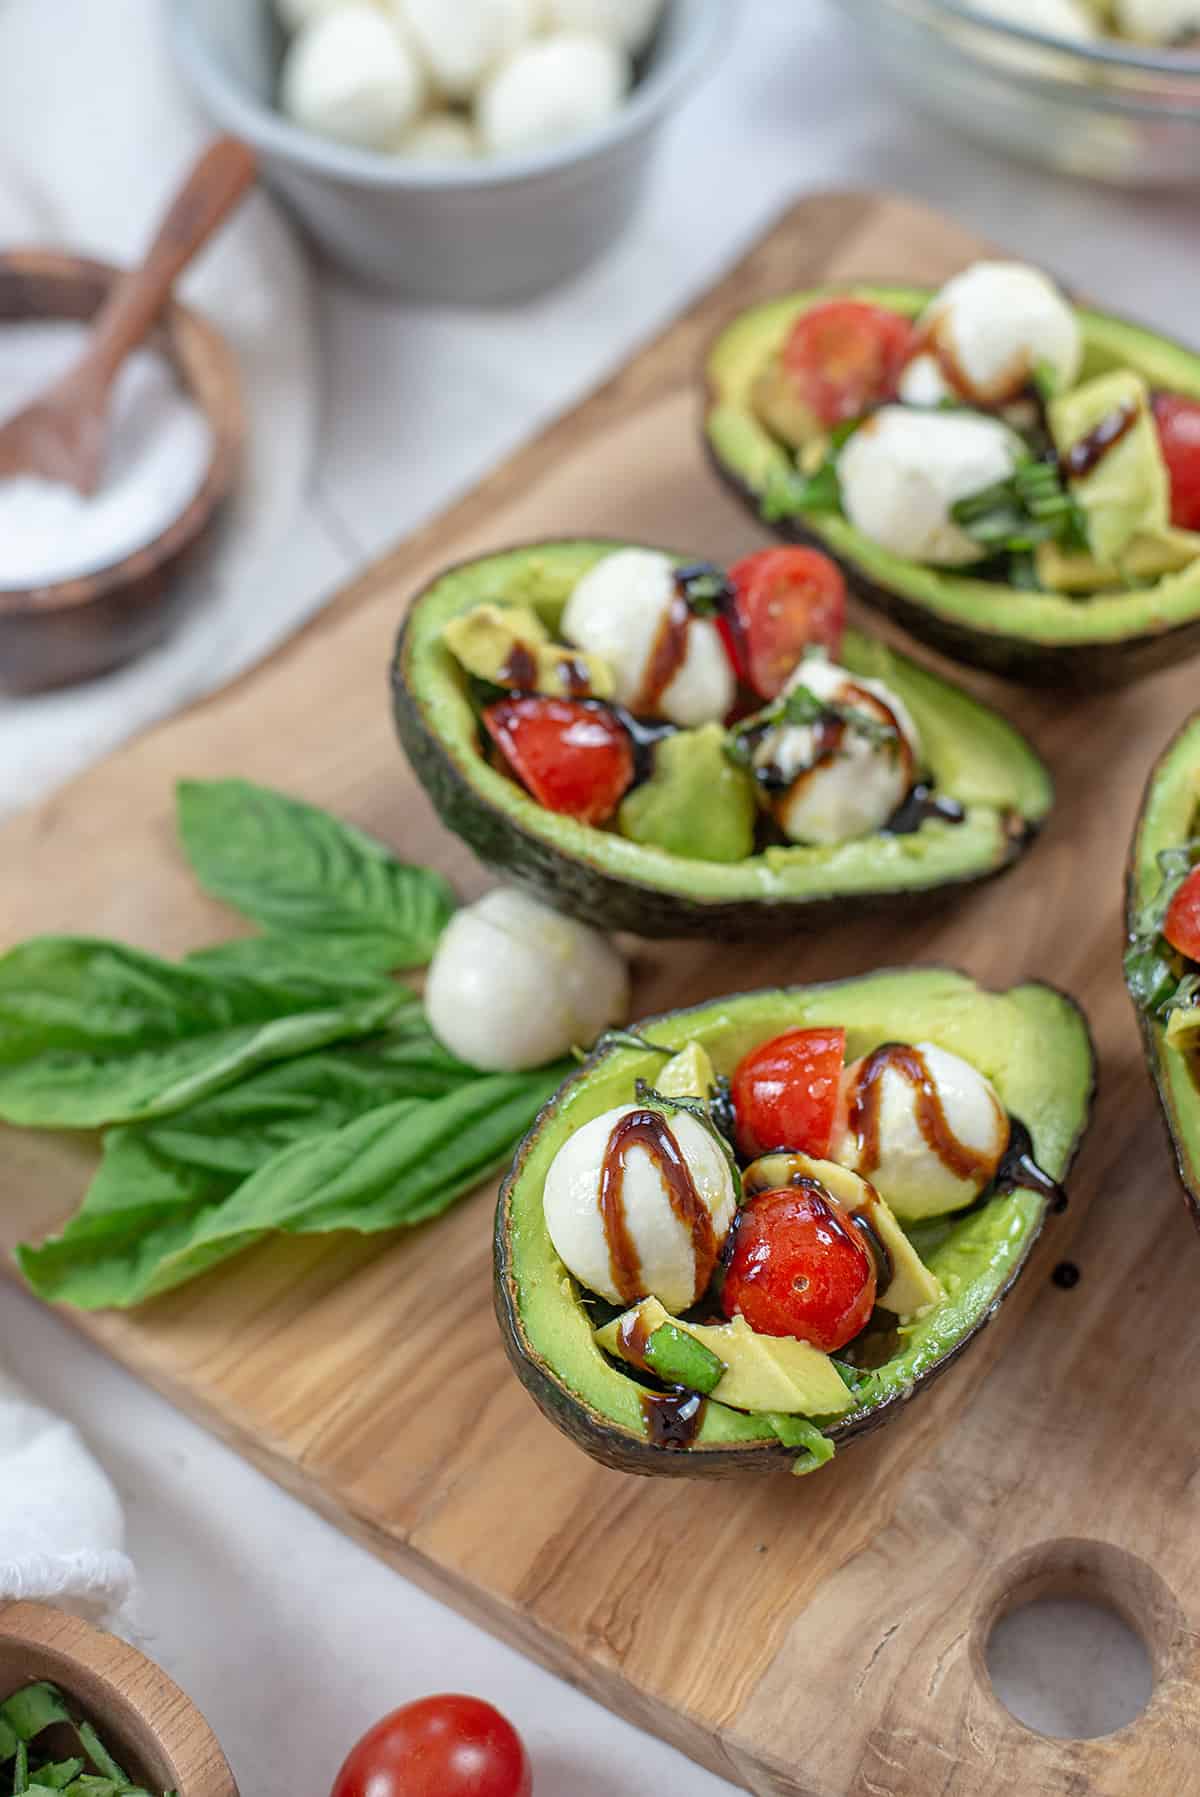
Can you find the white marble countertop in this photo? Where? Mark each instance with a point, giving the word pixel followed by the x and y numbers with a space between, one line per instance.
pixel 292 1654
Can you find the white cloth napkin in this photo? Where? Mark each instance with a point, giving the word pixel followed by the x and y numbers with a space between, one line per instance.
pixel 95 132
pixel 62 1532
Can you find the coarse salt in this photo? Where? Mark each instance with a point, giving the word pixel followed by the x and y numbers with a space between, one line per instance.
pixel 159 448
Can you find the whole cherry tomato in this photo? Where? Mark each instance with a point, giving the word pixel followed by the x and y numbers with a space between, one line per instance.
pixel 800 1267
pixel 786 599
pixel 1182 925
pixel 785 1093
pixel 1178 422
pixel 845 356
pixel 438 1747
pixel 573 758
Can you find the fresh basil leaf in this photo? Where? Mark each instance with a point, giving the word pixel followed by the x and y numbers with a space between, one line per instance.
pixel 788 494
pixel 94 1033
pixel 294 870
pixel 151 1222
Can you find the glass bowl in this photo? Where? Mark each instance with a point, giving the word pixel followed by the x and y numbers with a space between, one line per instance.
pixel 1109 110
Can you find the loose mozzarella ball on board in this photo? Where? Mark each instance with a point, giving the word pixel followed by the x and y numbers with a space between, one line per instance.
pixel 630 24
pixel 514 984
pixel 350 75
pixel 923 1125
pixel 553 88
pixel 902 472
pixel 619 610
pixel 1158 21
pixel 294 15
pixel 668 1266
pixel 439 137
pixel 462 40
pixel 855 790
pixel 994 326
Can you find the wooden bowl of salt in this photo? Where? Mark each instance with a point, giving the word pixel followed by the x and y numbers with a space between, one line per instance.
pixel 88 584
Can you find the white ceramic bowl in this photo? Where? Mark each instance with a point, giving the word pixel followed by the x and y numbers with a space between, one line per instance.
pixel 495 230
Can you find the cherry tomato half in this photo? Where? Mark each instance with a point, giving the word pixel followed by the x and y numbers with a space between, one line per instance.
pixel 786 599
pixel 1178 422
pixel 438 1747
pixel 1182 924
pixel 800 1267
pixel 573 758
pixel 785 1093
pixel 845 356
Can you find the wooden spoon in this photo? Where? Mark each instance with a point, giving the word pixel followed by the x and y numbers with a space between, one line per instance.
pixel 62 435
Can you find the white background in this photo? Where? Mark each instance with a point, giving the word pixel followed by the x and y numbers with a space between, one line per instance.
pixel 290 1638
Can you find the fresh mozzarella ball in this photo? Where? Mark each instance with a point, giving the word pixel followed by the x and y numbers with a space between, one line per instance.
pixel 617 612
pixel 1159 21
pixel 922 382
pixel 902 472
pixel 857 789
pixel 554 88
pixel 439 137
pixel 351 76
pixel 514 984
pixel 666 1251
pixel 294 15
pixel 995 325
pixel 462 40
pixel 630 24
pixel 910 1174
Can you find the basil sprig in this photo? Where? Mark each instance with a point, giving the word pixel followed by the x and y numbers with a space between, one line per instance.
pixel 24 1718
pixel 1158 977
pixel 298 872
pixel 800 705
pixel 1032 506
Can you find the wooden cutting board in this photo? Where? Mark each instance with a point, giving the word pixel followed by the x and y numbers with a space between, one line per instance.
pixel 822 1637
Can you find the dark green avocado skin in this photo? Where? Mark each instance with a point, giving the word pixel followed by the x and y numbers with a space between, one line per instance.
pixel 1076 668
pixel 1185 1165
pixel 612 1447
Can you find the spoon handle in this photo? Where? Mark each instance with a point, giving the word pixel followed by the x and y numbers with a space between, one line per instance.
pixel 214 187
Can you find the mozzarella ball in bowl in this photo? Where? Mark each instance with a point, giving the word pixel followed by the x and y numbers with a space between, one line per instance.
pixel 646 1248
pixel 630 24
pixel 923 1125
pixel 350 75
pixel 994 328
pixel 514 984
pixel 830 780
pixel 622 611
pixel 903 471
pixel 461 41
pixel 439 137
pixel 1159 21
pixel 552 89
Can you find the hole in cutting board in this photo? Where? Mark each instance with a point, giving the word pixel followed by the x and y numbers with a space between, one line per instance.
pixel 1069 1667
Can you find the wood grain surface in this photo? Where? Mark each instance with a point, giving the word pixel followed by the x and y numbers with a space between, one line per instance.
pixel 821 1637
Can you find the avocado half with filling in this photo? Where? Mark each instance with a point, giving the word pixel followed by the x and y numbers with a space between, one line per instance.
pixel 1169 819
pixel 1031 1042
pixel 973 755
pixel 1044 638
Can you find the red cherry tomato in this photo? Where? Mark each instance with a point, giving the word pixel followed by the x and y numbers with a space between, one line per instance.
pixel 800 1267
pixel 1178 422
pixel 1182 925
pixel 786 599
pixel 845 356
pixel 573 758
pixel 439 1747
pixel 785 1093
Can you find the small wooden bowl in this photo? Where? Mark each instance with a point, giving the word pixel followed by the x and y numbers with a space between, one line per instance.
pixel 155 1732
pixel 75 629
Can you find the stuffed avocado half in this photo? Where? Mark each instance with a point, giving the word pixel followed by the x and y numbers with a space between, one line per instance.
pixel 771 780
pixel 1015 479
pixel 837 1186
pixel 1162 963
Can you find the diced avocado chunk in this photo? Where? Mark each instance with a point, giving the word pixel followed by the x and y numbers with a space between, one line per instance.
pixel 696 803
pixel 1126 493
pixel 779 405
pixel 1147 556
pixel 912 1290
pixel 508 645
pixel 689 1074
pixel 762 1372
